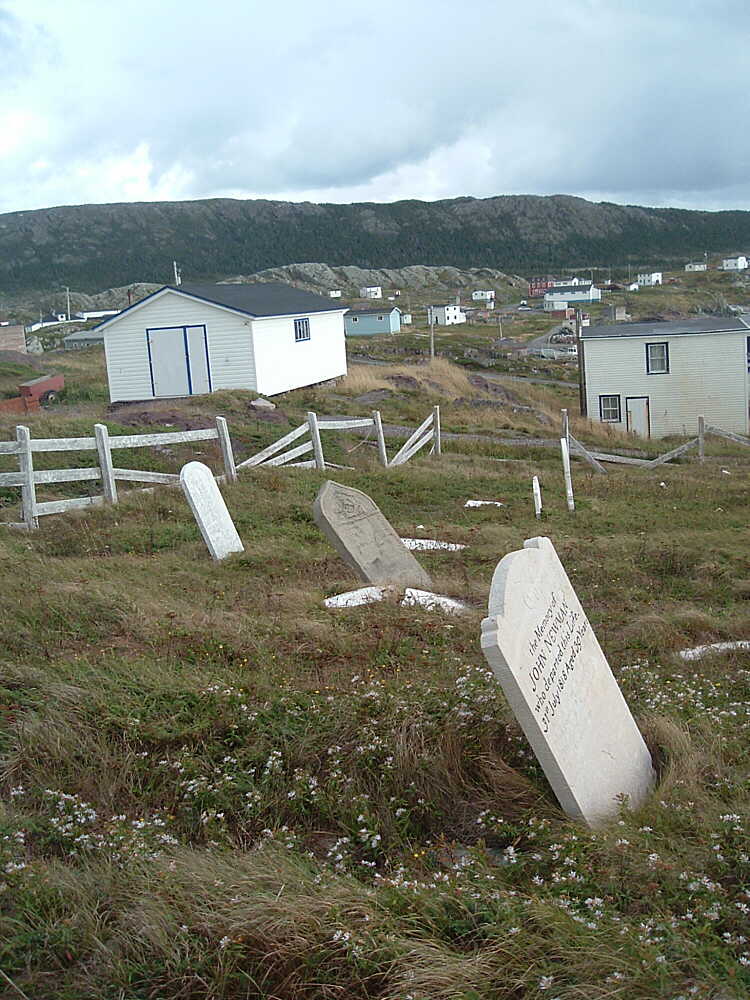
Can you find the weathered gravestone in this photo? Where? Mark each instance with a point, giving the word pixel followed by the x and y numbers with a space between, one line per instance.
pixel 210 511
pixel 542 649
pixel 364 539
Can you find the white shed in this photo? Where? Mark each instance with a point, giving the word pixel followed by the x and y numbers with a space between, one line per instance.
pixel 656 379
pixel 371 292
pixel 191 339
pixel 696 265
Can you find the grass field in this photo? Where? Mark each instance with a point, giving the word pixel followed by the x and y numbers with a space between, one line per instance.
pixel 213 787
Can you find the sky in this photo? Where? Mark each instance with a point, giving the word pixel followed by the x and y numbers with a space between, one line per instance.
pixel 633 102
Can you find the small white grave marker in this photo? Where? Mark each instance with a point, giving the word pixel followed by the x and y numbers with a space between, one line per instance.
pixel 210 511
pixel 537 492
pixel 542 649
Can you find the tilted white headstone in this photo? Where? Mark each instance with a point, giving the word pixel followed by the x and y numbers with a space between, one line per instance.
pixel 542 649
pixel 210 511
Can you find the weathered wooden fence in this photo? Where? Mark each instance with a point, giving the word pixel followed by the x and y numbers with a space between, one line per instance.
pixel 276 455
pixel 105 472
pixel 428 430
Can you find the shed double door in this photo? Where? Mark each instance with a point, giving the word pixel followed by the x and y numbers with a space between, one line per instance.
pixel 178 359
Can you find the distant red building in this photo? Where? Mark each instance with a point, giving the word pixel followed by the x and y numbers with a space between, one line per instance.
pixel 538 286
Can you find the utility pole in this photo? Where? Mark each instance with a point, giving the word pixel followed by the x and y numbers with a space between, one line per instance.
pixel 177 273
pixel 67 299
pixel 432 336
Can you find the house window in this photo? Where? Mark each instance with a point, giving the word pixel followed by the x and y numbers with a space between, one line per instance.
pixel 301 330
pixel 657 359
pixel 609 409
pixel 355 319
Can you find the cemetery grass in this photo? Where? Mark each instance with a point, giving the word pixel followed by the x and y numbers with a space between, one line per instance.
pixel 214 787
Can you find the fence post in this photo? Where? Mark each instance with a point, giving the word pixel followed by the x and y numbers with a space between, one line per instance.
pixel 566 473
pixel 565 426
pixel 109 486
pixel 701 437
pixel 537 492
pixel 312 421
pixel 227 453
pixel 437 444
pixel 26 467
pixel 381 438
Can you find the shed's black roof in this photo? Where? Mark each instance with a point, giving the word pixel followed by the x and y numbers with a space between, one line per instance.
pixel 264 298
pixel 703 324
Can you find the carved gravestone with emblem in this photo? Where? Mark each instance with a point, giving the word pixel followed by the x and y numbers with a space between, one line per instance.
pixel 364 539
pixel 542 649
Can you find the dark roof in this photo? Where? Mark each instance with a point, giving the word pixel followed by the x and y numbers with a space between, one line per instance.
pixel 703 324
pixel 364 312
pixel 260 299
pixel 583 286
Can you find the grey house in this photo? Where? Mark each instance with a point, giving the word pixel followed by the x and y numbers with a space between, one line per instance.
pixel 368 322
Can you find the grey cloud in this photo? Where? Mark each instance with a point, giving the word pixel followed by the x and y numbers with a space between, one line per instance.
pixel 398 100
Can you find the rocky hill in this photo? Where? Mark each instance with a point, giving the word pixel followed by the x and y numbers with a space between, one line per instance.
pixel 91 247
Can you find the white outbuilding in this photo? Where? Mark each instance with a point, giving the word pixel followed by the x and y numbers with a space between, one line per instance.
pixel 738 263
pixel 696 265
pixel 371 292
pixel 656 379
pixel 191 339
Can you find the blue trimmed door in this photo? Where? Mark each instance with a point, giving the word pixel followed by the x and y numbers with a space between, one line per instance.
pixel 178 357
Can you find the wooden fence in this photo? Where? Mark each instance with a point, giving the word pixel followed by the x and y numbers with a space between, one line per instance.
pixel 105 472
pixel 428 430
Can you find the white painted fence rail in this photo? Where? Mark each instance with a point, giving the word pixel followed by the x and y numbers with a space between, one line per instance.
pixel 315 426
pixel 428 431
pixel 28 478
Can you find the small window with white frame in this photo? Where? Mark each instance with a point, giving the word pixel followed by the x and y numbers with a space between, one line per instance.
pixel 657 359
pixel 301 330
pixel 609 409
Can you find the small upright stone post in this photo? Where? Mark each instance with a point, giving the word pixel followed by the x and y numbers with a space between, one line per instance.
pixel 537 493
pixel 109 486
pixel 312 421
pixel 26 467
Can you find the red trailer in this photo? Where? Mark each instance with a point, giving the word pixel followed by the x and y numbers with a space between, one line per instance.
pixel 35 394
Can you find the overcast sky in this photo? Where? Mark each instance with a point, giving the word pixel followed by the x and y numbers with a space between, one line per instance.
pixel 341 100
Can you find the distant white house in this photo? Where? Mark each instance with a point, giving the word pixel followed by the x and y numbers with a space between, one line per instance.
pixel 448 315
pixel 194 339
pixel 371 292
pixel 633 286
pixel 656 379
pixel 406 319
pixel 483 295
pixel 696 265
pixel 52 319
pixel 734 263
pixel 96 314
pixel 648 279
pixel 566 282
pixel 560 297
pixel 335 293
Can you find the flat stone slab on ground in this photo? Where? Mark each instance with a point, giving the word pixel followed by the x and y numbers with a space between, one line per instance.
pixel 364 538
pixel 210 510
pixel 412 598
pixel 542 649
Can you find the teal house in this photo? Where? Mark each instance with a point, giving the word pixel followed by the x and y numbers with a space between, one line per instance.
pixel 368 322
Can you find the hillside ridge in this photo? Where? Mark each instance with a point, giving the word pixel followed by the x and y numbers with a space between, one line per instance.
pixel 98 246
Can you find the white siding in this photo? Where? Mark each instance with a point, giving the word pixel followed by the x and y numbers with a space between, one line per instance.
pixel 283 364
pixel 230 348
pixel 707 375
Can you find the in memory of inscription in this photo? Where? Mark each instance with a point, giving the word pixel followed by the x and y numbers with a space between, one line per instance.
pixel 542 649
